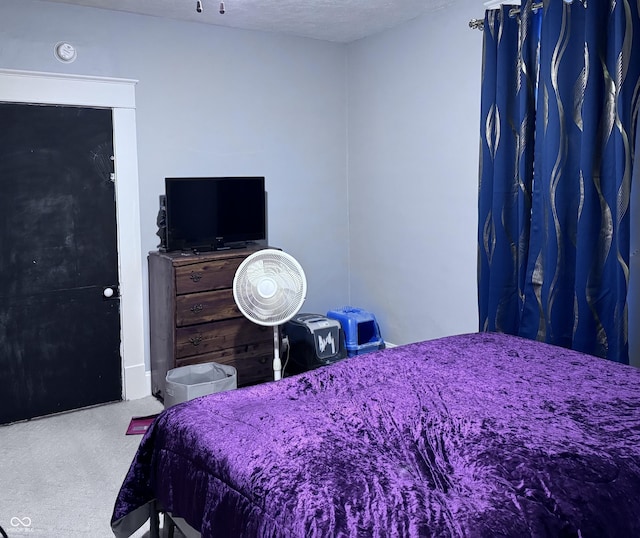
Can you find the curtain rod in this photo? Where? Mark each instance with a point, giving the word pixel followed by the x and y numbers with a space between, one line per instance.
pixel 478 24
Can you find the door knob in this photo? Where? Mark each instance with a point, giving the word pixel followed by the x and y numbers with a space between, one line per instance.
pixel 110 292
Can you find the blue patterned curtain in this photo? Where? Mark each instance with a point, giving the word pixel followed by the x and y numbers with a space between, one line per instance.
pixel 560 101
pixel 506 167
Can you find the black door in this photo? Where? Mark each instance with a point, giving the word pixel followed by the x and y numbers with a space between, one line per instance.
pixel 59 334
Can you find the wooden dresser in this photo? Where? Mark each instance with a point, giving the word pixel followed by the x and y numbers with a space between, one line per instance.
pixel 193 317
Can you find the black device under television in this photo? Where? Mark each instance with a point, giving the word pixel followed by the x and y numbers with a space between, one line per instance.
pixel 214 213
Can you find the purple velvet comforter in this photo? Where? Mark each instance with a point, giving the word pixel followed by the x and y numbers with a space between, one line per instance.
pixel 472 435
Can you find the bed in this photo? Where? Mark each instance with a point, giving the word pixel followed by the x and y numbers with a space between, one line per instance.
pixel 471 435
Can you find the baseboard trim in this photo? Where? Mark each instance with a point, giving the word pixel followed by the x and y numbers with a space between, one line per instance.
pixel 137 382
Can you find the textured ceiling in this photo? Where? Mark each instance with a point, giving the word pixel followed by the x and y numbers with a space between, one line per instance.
pixel 330 20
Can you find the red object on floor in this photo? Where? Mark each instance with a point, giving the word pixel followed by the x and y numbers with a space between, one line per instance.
pixel 139 425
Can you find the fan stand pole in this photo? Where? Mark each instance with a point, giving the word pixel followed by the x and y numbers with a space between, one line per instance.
pixel 277 363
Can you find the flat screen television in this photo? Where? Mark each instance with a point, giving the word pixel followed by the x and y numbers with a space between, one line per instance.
pixel 213 213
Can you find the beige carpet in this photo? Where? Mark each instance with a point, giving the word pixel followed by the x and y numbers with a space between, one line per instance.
pixel 59 476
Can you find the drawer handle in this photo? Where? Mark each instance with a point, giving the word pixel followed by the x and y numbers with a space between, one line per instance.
pixel 195 276
pixel 197 308
pixel 263 360
pixel 195 340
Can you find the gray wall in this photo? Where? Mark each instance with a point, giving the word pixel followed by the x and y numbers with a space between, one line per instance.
pixel 370 150
pixel 414 109
pixel 217 101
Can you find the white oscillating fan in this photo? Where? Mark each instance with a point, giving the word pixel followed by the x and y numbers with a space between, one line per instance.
pixel 269 288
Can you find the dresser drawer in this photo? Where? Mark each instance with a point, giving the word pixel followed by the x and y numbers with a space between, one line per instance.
pixel 236 333
pixel 253 363
pixel 254 369
pixel 205 306
pixel 208 275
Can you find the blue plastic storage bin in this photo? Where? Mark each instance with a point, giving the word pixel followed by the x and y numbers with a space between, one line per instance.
pixel 361 330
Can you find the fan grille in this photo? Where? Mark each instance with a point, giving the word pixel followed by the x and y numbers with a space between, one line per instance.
pixel 269 287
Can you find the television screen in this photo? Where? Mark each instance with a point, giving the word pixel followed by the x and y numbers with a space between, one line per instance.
pixel 207 213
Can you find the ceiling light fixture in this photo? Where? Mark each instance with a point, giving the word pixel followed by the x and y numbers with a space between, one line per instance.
pixel 200 8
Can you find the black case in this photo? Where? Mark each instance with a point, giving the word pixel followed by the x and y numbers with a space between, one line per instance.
pixel 314 341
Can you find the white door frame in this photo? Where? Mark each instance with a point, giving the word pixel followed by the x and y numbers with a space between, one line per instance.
pixel 119 95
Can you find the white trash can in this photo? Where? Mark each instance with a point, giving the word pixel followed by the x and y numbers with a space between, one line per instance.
pixel 189 382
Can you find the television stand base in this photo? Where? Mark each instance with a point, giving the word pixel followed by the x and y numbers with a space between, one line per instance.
pixel 202 248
